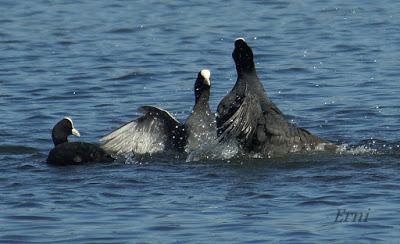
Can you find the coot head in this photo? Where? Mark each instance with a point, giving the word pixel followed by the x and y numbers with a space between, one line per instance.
pixel 202 85
pixel 62 130
pixel 243 56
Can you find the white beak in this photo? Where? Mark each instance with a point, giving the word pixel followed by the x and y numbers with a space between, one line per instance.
pixel 208 82
pixel 75 132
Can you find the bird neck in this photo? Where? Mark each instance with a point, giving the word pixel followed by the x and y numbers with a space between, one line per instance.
pixel 248 77
pixel 202 99
pixel 58 137
pixel 245 67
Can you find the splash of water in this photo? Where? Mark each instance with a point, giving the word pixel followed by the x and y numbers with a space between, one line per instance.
pixel 214 151
pixel 370 146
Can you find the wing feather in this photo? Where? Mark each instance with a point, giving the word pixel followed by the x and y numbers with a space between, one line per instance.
pixel 243 123
pixel 150 133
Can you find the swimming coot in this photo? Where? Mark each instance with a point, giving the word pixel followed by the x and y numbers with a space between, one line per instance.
pixel 247 115
pixel 68 153
pixel 158 130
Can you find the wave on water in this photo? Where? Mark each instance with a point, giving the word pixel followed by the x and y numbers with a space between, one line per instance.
pixel 17 149
pixel 370 146
pixel 231 151
pixel 228 152
pixel 160 157
pixel 132 75
pixel 224 151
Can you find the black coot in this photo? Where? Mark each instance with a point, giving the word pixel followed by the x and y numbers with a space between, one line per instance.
pixel 247 115
pixel 158 131
pixel 68 153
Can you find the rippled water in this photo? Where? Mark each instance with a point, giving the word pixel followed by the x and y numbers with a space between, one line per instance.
pixel 331 66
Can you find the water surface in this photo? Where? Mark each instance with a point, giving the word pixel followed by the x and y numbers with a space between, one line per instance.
pixel 332 67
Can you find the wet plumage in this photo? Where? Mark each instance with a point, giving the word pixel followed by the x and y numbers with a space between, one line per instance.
pixel 246 114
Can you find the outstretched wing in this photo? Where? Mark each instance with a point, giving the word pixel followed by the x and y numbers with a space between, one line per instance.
pixel 150 133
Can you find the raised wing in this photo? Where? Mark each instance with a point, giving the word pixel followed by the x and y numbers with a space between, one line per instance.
pixel 242 125
pixel 151 133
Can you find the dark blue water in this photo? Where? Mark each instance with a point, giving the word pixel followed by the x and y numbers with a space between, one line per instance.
pixel 333 68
